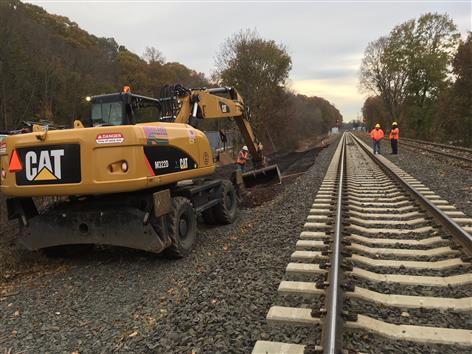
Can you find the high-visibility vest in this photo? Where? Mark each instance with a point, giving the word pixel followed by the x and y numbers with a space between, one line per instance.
pixel 394 134
pixel 377 134
pixel 242 157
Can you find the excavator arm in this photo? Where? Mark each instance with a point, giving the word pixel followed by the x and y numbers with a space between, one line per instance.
pixel 207 104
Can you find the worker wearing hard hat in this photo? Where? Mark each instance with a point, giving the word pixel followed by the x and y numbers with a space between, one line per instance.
pixel 243 156
pixel 394 136
pixel 377 135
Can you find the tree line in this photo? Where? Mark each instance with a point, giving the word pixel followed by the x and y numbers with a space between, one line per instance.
pixel 420 75
pixel 48 65
pixel 259 69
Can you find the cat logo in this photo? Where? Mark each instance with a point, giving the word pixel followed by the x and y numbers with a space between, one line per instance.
pixel 45 167
pixel 224 107
pixel 184 163
pixel 50 164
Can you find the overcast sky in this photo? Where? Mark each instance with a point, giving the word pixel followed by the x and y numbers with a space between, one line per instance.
pixel 325 39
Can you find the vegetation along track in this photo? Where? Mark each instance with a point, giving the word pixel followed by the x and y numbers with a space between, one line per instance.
pixel 461 154
pixel 389 259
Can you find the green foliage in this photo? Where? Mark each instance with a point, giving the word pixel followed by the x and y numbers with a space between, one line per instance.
pixel 256 67
pixel 374 112
pixel 453 120
pixel 410 71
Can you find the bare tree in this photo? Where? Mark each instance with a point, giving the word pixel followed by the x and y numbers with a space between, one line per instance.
pixel 383 76
pixel 153 55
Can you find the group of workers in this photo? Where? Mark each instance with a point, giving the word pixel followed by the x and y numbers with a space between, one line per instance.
pixel 377 135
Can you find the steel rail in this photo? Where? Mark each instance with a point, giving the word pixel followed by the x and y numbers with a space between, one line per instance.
pixel 434 151
pixel 446 146
pixel 332 326
pixel 463 237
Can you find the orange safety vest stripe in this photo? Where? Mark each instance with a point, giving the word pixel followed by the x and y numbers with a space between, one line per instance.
pixel 394 134
pixel 377 134
pixel 242 157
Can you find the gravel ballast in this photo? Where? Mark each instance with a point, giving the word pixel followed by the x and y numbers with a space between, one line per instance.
pixel 214 301
pixel 443 176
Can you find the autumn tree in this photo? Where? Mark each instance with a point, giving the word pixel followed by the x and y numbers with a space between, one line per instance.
pixel 374 111
pixel 256 67
pixel 48 65
pixel 454 116
pixel 153 55
pixel 384 75
pixel 410 67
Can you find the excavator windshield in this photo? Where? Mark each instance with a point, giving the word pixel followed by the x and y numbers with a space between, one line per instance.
pixel 123 108
pixel 107 113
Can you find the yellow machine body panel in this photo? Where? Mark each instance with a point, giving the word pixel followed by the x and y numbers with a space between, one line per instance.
pixel 103 160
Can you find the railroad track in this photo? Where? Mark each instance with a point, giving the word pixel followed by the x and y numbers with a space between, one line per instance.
pixel 454 152
pixel 388 260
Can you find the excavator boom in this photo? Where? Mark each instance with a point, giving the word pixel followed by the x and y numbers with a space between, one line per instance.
pixel 209 104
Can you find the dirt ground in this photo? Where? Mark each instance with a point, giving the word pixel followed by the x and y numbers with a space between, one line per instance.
pixel 291 165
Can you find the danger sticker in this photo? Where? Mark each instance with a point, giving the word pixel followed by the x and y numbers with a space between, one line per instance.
pixel 3 148
pixel 110 138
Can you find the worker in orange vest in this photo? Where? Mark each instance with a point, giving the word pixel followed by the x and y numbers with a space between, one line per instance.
pixel 377 135
pixel 243 156
pixel 394 136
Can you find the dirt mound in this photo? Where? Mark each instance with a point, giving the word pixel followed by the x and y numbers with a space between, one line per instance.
pixel 291 165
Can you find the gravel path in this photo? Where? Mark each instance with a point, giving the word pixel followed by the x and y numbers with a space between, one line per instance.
pixel 213 301
pixel 443 176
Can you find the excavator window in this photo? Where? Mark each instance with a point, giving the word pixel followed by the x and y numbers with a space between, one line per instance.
pixel 146 114
pixel 124 109
pixel 107 113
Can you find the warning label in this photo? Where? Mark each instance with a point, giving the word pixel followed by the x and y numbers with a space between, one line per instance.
pixel 110 138
pixel 3 148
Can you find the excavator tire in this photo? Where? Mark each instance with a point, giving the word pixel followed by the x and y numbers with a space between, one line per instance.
pixel 67 251
pixel 181 227
pixel 209 217
pixel 226 210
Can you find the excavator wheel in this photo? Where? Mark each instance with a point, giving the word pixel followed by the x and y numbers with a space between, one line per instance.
pixel 209 217
pixel 67 251
pixel 226 211
pixel 181 227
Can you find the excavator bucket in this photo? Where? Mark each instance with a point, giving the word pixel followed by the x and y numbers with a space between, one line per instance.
pixel 266 175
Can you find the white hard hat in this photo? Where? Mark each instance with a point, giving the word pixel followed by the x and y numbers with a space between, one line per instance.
pixel 245 148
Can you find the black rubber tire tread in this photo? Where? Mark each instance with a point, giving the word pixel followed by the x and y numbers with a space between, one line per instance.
pixel 67 251
pixel 223 214
pixel 209 217
pixel 181 249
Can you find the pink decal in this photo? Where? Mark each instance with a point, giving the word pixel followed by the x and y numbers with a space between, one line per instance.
pixel 192 137
pixel 154 132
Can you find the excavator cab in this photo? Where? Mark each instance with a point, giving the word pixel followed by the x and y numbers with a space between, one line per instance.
pixel 181 105
pixel 123 109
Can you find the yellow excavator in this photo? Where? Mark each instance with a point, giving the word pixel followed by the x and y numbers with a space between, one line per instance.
pixel 137 176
